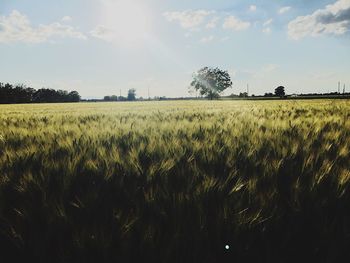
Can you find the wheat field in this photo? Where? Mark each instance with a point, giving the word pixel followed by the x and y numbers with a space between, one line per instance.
pixel 175 181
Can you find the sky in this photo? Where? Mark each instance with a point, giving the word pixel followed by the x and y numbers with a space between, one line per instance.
pixel 105 47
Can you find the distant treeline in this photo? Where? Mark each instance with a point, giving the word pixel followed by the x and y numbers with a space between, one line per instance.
pixel 273 95
pixel 326 94
pixel 131 97
pixel 114 98
pixel 11 94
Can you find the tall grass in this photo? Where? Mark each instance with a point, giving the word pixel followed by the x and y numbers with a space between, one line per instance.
pixel 175 182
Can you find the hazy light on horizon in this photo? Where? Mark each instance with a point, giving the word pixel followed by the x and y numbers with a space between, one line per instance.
pixel 104 46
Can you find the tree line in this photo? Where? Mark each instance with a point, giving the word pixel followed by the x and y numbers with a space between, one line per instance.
pixel 131 96
pixel 12 94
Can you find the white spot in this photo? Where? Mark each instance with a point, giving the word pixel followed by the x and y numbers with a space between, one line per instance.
pixel 227 247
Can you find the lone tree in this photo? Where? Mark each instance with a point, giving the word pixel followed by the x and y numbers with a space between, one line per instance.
pixel 132 94
pixel 211 82
pixel 280 91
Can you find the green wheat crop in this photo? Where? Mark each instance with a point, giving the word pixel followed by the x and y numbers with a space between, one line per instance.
pixel 175 181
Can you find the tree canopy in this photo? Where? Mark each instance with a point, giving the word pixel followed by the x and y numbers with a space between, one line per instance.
pixel 280 91
pixel 211 82
pixel 21 94
pixel 132 94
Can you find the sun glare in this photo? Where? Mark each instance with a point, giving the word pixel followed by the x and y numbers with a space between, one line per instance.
pixel 128 21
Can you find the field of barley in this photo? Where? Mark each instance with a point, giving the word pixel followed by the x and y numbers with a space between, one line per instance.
pixel 195 181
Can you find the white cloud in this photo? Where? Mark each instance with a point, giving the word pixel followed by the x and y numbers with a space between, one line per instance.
pixel 333 19
pixel 16 27
pixel 66 19
pixel 236 24
pixel 103 32
pixel 252 8
pixel 268 22
pixel 207 39
pixel 212 23
pixel 189 19
pixel 284 10
pixel 266 30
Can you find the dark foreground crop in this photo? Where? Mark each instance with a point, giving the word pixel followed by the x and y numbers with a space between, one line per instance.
pixel 175 182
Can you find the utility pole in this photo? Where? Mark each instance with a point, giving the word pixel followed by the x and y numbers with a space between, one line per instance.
pixel 149 97
pixel 248 90
pixel 339 87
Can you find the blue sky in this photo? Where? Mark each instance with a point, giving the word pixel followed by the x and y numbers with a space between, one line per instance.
pixel 102 47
